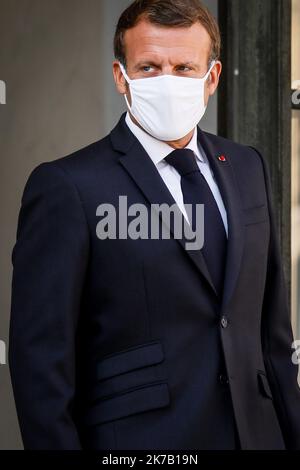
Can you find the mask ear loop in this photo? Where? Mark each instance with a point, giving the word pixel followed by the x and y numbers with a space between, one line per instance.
pixel 207 75
pixel 128 81
pixel 209 70
pixel 124 73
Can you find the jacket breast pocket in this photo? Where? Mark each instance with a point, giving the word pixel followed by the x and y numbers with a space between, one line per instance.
pixel 255 215
pixel 128 382
pixel 263 385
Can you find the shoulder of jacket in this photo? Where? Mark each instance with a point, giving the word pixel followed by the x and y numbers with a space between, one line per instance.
pixel 72 166
pixel 239 153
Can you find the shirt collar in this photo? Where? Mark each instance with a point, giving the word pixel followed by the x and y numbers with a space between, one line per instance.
pixel 158 150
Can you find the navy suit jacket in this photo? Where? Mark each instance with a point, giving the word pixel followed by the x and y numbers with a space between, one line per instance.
pixel 125 344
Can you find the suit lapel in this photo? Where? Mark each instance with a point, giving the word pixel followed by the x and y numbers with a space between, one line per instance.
pixel 142 170
pixel 225 178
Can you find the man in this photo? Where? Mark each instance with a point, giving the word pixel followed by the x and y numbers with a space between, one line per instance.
pixel 141 343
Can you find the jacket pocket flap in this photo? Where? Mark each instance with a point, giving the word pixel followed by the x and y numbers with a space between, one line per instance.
pixel 129 403
pixel 264 385
pixel 254 215
pixel 130 359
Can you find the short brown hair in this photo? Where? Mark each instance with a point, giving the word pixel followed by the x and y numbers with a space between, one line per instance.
pixel 170 13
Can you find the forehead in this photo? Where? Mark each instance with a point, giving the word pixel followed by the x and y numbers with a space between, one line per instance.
pixel 155 42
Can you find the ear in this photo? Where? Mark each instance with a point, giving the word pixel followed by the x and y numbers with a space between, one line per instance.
pixel 119 78
pixel 214 78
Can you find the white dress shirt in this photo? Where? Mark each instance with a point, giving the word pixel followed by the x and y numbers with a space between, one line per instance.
pixel 158 150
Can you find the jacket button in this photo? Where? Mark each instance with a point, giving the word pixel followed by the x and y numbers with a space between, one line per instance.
pixel 224 379
pixel 224 322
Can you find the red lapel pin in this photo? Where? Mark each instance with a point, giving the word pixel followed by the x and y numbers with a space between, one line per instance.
pixel 222 158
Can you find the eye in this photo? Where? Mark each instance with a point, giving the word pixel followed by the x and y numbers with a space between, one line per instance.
pixel 183 68
pixel 147 68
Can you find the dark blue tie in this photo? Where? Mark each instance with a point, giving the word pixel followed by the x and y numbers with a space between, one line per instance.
pixel 196 191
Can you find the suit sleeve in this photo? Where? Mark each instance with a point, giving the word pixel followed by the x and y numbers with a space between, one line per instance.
pixel 277 337
pixel 49 263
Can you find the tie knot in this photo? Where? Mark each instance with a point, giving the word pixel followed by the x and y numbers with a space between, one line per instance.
pixel 183 160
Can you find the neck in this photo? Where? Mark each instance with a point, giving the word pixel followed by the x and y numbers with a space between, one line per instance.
pixel 175 144
pixel 181 143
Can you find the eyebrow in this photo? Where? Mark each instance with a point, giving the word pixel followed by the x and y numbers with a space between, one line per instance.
pixel 155 64
pixel 189 63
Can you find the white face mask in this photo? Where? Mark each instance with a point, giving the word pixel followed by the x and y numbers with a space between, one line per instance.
pixel 168 107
